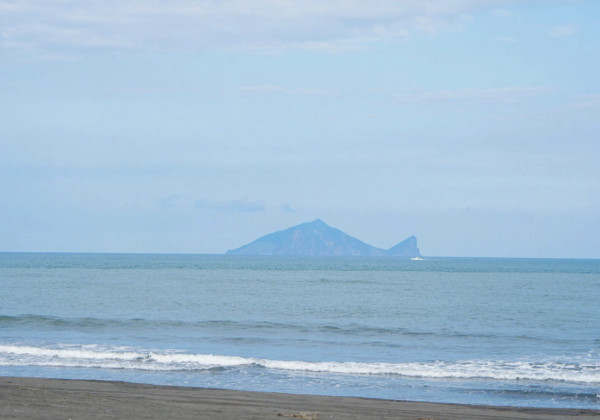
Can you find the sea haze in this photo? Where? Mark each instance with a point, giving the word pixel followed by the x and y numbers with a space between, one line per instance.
pixel 486 331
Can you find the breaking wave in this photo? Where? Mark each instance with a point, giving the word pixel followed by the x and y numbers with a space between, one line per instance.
pixel 94 356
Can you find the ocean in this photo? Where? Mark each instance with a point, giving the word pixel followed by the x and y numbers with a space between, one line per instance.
pixel 514 332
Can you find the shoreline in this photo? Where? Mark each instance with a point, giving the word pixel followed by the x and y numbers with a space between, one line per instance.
pixel 44 398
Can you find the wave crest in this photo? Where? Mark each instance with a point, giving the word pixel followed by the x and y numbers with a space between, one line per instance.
pixel 94 356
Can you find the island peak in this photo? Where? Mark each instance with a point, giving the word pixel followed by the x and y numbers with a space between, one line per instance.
pixel 317 238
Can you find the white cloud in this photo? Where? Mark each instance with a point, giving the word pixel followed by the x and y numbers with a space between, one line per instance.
pixel 414 96
pixel 275 89
pixel 507 94
pixel 502 13
pixel 507 39
pixel 264 25
pixel 586 101
pixel 562 31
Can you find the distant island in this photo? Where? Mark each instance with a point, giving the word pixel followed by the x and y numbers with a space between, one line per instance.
pixel 319 239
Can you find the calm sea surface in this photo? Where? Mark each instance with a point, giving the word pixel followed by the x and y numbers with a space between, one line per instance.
pixel 484 331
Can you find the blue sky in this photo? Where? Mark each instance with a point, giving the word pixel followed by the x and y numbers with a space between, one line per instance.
pixel 197 126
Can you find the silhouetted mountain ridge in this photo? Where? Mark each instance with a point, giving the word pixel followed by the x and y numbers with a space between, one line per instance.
pixel 319 239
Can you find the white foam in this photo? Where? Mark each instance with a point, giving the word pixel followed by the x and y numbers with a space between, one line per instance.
pixel 586 371
pixel 98 357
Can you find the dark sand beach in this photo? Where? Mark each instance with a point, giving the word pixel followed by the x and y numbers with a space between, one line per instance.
pixel 35 398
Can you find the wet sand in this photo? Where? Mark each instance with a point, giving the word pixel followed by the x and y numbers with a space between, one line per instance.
pixel 35 398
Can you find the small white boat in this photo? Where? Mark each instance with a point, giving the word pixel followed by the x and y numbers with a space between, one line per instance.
pixel 416 259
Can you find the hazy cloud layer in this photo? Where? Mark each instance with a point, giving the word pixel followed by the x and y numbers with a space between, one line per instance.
pixel 502 13
pixel 287 208
pixel 586 101
pixel 244 205
pixel 269 25
pixel 507 94
pixel 282 90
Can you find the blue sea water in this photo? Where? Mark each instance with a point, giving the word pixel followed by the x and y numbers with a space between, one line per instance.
pixel 515 332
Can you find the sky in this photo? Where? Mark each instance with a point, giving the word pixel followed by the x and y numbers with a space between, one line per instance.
pixel 196 126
